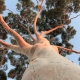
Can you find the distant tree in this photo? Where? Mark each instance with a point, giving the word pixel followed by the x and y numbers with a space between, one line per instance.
pixel 54 13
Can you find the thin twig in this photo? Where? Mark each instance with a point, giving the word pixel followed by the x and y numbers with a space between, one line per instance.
pixel 75 17
pixel 29 30
pixel 23 26
pixel 17 18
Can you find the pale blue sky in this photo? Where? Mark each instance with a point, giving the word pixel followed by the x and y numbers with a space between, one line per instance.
pixel 10 4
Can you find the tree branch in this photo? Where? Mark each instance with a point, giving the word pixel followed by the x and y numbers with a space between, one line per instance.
pixel 4 44
pixel 68 49
pixel 47 32
pixel 29 30
pixel 15 48
pixel 75 16
pixel 18 38
pixel 35 20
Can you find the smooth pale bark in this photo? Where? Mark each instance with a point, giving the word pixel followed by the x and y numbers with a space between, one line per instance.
pixel 47 64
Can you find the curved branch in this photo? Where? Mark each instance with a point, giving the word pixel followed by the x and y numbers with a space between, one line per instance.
pixel 35 20
pixel 18 38
pixel 47 32
pixel 35 31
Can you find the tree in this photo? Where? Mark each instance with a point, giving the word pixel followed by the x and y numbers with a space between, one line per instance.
pixel 25 20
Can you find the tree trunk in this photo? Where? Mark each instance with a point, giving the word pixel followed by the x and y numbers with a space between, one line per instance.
pixel 46 64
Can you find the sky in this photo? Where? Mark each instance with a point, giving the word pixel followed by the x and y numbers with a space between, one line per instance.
pixel 10 4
